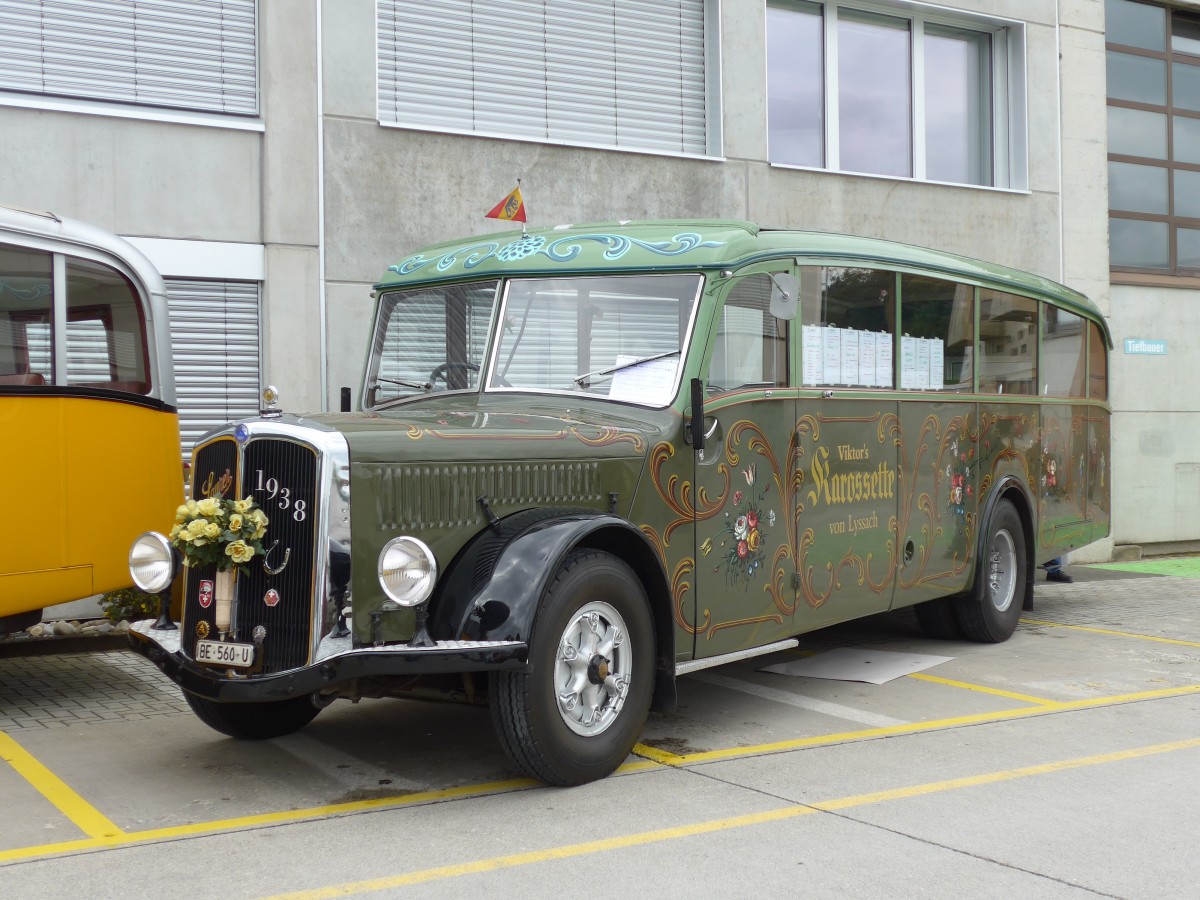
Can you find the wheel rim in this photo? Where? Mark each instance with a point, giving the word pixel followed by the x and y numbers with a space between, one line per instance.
pixel 592 668
pixel 1002 571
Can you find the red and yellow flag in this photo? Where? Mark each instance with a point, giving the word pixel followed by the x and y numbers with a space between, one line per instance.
pixel 511 208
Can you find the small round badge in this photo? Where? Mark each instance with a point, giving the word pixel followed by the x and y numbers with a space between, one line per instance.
pixel 271 598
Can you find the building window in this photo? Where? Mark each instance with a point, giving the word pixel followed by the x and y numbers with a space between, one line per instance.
pixel 903 95
pixel 168 53
pixel 1153 56
pixel 625 74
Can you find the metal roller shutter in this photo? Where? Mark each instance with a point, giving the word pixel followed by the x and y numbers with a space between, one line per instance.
pixel 617 73
pixel 172 53
pixel 215 344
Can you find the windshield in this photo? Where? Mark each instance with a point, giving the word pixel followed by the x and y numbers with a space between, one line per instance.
pixel 620 337
pixel 431 339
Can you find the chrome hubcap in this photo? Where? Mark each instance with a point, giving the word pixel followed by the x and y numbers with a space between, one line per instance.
pixel 592 669
pixel 1002 571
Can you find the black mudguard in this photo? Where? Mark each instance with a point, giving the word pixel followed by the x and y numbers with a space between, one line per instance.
pixel 493 589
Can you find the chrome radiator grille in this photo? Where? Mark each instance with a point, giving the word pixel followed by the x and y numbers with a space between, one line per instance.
pixel 277 592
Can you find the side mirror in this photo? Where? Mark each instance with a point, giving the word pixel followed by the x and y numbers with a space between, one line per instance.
pixel 785 295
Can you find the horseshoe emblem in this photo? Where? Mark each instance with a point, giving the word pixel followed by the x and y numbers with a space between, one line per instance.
pixel 287 554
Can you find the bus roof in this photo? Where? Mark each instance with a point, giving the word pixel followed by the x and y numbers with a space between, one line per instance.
pixel 64 234
pixel 698 244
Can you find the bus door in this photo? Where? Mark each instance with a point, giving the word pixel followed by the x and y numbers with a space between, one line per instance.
pixel 743 537
pixel 1063 479
pixel 938 452
pixel 845 464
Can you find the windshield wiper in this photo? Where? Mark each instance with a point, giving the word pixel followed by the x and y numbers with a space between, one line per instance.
pixel 580 379
pixel 417 385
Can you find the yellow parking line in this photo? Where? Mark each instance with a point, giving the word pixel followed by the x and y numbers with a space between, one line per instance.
pixel 983 689
pixel 688 759
pixel 82 814
pixel 281 818
pixel 568 851
pixel 1125 634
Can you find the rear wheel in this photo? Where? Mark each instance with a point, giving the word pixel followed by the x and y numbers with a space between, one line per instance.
pixel 254 721
pixel 576 712
pixel 989 613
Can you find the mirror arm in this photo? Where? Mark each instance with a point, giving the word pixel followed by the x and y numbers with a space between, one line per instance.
pixel 696 425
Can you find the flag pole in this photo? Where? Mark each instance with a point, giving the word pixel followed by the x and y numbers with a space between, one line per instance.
pixel 524 221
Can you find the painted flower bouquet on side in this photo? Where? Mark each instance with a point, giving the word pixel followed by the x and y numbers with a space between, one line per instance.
pixel 215 531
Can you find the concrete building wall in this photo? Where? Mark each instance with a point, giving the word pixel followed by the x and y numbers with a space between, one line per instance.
pixel 132 176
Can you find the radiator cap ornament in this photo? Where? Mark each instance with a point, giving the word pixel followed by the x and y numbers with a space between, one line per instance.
pixel 270 399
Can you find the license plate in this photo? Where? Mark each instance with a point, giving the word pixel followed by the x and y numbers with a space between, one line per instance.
pixel 223 653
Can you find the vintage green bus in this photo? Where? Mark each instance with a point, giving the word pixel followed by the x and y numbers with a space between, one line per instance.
pixel 589 459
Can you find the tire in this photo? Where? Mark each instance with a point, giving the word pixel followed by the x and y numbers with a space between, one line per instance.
pixel 575 712
pixel 939 619
pixel 254 721
pixel 989 612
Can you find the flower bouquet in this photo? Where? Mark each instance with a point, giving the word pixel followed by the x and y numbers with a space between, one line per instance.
pixel 214 531
pixel 222 533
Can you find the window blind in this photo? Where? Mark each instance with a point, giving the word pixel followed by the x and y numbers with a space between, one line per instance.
pixel 215 346
pixel 182 54
pixel 628 74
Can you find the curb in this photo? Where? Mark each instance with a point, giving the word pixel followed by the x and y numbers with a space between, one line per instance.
pixel 17 647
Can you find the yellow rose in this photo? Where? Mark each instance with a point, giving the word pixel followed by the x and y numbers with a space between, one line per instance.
pixel 239 551
pixel 175 531
pixel 181 514
pixel 212 531
pixel 210 507
pixel 235 522
pixel 243 506
pixel 195 529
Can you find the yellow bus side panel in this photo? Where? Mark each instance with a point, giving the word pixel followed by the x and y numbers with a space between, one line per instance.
pixel 19 592
pixel 80 478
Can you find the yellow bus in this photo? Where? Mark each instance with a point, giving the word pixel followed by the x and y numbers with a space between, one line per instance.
pixel 89 433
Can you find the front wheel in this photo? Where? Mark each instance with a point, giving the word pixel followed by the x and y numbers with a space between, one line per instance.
pixel 575 713
pixel 254 721
pixel 990 611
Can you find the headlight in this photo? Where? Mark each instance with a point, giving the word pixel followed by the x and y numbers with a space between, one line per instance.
pixel 407 571
pixel 152 562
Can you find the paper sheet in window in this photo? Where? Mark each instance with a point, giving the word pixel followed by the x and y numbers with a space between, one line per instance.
pixel 883 360
pixel 849 356
pixel 649 382
pixel 866 358
pixel 814 367
pixel 831 339
pixel 921 365
pixel 937 375
pixel 908 362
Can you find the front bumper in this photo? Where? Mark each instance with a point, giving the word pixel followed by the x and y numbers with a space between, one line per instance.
pixel 337 661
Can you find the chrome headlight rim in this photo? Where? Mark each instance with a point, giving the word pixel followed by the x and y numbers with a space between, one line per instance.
pixel 408 571
pixel 153 562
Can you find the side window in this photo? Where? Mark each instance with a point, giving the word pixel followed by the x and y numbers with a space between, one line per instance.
pixel 751 344
pixel 26 304
pixel 848 317
pixel 1007 343
pixel 1063 357
pixel 937 321
pixel 1097 363
pixel 106 331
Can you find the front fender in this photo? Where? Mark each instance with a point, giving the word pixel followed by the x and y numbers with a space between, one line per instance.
pixel 496 583
pixel 493 588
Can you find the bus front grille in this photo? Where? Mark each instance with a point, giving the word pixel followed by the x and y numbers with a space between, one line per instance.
pixel 276 591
